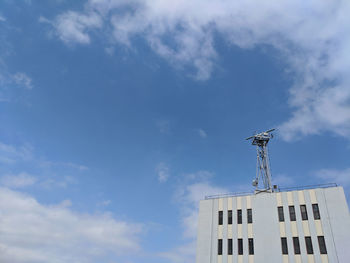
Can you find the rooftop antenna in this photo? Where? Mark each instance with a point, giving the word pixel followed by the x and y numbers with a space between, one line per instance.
pixel 263 172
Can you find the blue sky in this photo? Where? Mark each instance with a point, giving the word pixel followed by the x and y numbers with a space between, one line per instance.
pixel 117 117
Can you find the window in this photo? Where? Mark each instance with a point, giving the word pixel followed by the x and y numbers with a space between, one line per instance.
pixel 249 216
pixel 240 246
pixel 292 213
pixel 251 246
pixel 239 216
pixel 316 211
pixel 220 217
pixel 280 214
pixel 219 246
pixel 284 246
pixel 309 248
pixel 296 245
pixel 229 217
pixel 322 245
pixel 229 246
pixel 303 212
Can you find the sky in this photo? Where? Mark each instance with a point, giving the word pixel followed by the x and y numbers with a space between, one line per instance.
pixel 118 117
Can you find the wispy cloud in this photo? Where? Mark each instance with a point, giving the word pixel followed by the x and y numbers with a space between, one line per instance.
pixel 49 174
pixel 33 232
pixel 341 177
pixel 11 84
pixel 10 154
pixel 22 79
pixel 312 40
pixel 283 180
pixel 202 133
pixel 193 188
pixel 2 18
pixel 163 172
pixel 18 180
pixel 104 203
pixel 163 126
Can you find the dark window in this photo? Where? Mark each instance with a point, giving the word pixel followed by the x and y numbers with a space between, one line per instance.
pixel 229 217
pixel 219 246
pixel 303 212
pixel 292 213
pixel 316 211
pixel 296 245
pixel 284 246
pixel 220 217
pixel 249 216
pixel 309 248
pixel 240 246
pixel 322 245
pixel 239 216
pixel 251 246
pixel 229 246
pixel 280 214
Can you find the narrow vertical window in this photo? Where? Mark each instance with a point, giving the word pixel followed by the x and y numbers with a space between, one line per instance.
pixel 316 211
pixel 251 246
pixel 229 246
pixel 229 217
pixel 292 213
pixel 220 217
pixel 296 245
pixel 219 246
pixel 239 216
pixel 284 245
pixel 309 248
pixel 249 216
pixel 322 245
pixel 303 212
pixel 280 214
pixel 240 246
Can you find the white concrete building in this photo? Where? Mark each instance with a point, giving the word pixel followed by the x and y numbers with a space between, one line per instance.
pixel 309 225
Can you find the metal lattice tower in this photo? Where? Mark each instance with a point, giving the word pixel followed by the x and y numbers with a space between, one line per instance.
pixel 263 172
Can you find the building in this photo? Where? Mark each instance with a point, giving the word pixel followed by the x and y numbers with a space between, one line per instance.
pixel 303 225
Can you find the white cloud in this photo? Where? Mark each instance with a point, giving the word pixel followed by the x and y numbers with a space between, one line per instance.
pixel 202 133
pixel 74 27
pixel 312 38
pixel 2 18
pixel 33 232
pixel 18 181
pixel 341 177
pixel 163 172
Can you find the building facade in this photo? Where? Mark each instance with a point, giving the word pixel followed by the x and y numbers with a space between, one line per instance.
pixel 310 225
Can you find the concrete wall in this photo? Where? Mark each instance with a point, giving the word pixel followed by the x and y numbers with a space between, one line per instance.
pixel 267 231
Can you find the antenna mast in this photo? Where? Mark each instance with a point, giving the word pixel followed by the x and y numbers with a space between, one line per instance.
pixel 263 171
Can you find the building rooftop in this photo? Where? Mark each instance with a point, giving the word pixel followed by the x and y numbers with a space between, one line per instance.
pixel 278 189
